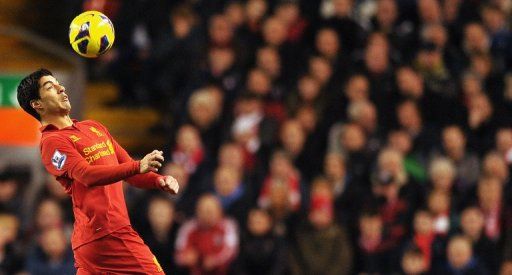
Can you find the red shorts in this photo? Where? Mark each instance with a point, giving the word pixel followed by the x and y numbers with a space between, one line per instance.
pixel 121 252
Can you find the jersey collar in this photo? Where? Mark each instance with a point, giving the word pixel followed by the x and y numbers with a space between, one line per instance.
pixel 51 127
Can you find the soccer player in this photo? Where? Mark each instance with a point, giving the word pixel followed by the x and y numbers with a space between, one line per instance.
pixel 90 165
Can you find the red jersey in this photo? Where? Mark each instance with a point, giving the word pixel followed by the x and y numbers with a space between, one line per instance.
pixel 90 165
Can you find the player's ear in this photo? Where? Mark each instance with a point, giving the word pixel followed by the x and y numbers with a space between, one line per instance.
pixel 36 104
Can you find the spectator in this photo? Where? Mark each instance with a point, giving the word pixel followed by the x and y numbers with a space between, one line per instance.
pixel 400 33
pixel 49 215
pixel 11 261
pixel 282 173
pixel 174 58
pixel 395 201
pixel 231 154
pixel 322 247
pixel 364 114
pixel 220 31
pixel 410 120
pixel 322 71
pixel 378 68
pixel 454 146
pixel 506 268
pixel 261 251
pixel 432 66
pixel 475 39
pixel 54 189
pixel 425 239
pixel 472 225
pixel 437 34
pixel 356 88
pixel 390 177
pixel 439 205
pixel 10 194
pixel 461 259
pixel 414 161
pixel 275 34
pixel 350 140
pixel 269 60
pixel 205 110
pixel 490 200
pixel 328 46
pixel 234 12
pixel 209 242
pixel 429 12
pixel 372 255
pixel 495 21
pixel 413 262
pixel 185 199
pixel 52 255
pixel 308 93
pixel 346 191
pixel 232 192
pixel 494 165
pixel 222 71
pixel 189 151
pixel 350 32
pixel 442 174
pixel 293 140
pixel 481 122
pixel 289 12
pixel 161 233
pixel 504 144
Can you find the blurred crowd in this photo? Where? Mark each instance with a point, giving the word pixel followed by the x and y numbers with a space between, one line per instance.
pixel 308 137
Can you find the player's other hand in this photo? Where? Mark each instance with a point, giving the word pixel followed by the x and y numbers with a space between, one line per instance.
pixel 169 184
pixel 151 162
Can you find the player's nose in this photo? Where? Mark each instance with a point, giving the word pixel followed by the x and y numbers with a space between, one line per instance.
pixel 61 89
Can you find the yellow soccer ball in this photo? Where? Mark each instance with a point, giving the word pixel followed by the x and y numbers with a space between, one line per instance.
pixel 91 34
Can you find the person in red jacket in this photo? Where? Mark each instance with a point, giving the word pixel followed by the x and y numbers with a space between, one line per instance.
pixel 90 165
pixel 209 243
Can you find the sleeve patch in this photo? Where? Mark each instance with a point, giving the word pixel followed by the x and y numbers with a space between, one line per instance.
pixel 59 159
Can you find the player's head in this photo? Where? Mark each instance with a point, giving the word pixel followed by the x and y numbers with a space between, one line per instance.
pixel 40 94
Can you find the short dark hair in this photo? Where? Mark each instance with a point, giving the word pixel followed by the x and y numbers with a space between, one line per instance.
pixel 28 90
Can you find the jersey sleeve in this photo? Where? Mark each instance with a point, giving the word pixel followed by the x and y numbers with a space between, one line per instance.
pixel 61 159
pixel 147 181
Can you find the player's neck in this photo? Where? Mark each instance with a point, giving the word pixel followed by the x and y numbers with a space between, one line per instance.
pixel 58 121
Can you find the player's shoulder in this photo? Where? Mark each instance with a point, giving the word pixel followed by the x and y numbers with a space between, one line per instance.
pixel 52 137
pixel 53 140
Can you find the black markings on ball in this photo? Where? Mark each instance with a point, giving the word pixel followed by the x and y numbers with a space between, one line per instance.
pixel 84 31
pixel 104 43
pixel 82 46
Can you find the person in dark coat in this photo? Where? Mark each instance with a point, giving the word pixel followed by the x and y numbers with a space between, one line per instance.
pixel 460 259
pixel 261 251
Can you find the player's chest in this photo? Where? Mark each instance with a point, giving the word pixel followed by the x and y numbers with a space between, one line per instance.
pixel 94 145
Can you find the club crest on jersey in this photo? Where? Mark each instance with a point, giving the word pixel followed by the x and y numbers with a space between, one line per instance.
pixel 59 159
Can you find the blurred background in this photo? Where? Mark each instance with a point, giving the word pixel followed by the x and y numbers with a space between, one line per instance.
pixel 308 137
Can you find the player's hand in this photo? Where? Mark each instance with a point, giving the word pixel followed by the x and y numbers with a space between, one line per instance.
pixel 169 184
pixel 151 162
